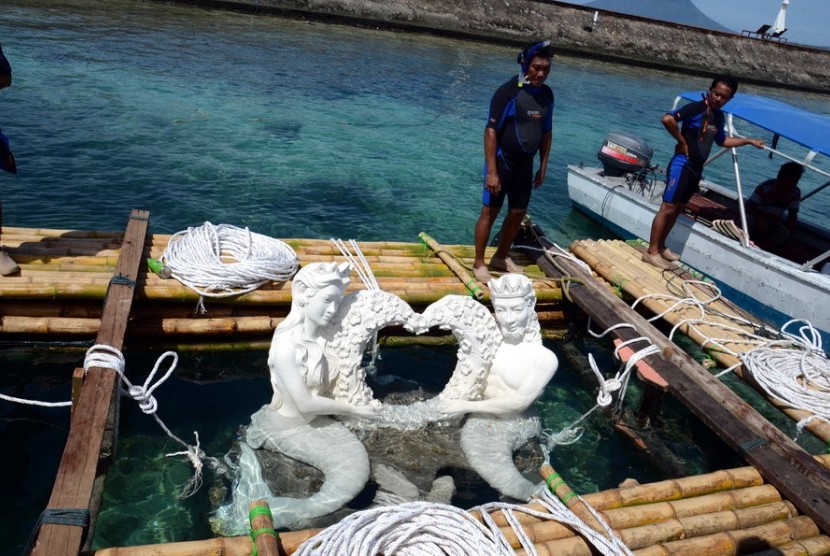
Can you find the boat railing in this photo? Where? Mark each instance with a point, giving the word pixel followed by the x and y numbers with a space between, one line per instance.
pixel 812 262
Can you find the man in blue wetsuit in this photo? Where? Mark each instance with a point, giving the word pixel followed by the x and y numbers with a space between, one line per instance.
pixel 7 265
pixel 702 125
pixel 519 126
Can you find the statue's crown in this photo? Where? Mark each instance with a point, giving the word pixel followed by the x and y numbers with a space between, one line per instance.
pixel 511 285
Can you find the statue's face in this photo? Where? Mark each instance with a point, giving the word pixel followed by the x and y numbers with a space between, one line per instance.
pixel 512 315
pixel 320 307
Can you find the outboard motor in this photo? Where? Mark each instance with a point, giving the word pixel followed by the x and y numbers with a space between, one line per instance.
pixel 622 153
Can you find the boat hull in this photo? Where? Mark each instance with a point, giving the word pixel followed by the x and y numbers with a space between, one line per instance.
pixel 628 209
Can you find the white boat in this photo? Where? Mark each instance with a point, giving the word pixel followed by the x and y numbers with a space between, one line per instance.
pixel 794 282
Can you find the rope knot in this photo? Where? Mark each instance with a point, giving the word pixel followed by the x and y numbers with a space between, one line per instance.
pixel 608 387
pixel 146 401
pixel 104 356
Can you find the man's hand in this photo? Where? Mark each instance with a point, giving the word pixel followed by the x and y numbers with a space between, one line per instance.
pixel 493 184
pixel 539 179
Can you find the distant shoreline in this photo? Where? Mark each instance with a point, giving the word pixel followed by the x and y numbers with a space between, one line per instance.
pixel 617 38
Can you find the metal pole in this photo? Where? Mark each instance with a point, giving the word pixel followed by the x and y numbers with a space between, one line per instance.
pixel 737 170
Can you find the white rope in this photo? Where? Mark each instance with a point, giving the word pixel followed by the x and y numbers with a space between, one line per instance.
pixel 607 386
pixel 364 271
pixel 410 529
pixel 358 262
pixel 799 378
pixel 23 401
pixel 223 260
pixel 557 251
pixel 791 368
pixel 427 529
pixel 102 355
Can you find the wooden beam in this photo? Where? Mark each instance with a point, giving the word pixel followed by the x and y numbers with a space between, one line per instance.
pixel 76 475
pixel 782 463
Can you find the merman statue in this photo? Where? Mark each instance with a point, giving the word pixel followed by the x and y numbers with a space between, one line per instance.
pixel 504 418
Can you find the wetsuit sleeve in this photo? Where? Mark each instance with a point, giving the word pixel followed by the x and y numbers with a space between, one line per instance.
pixel 688 111
pixel 498 107
pixel 548 125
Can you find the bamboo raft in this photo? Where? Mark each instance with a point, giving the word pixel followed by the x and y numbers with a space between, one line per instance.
pixel 726 512
pixel 620 264
pixel 65 275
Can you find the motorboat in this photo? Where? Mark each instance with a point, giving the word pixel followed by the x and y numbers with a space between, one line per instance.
pixel 793 280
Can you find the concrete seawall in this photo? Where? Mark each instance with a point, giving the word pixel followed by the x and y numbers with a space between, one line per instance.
pixel 617 37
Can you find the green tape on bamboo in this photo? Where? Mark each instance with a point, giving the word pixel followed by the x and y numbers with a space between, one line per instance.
pixel 155 265
pixel 474 290
pixel 260 511
pixel 550 478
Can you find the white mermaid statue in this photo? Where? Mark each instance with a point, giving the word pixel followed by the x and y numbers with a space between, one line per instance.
pixel 296 422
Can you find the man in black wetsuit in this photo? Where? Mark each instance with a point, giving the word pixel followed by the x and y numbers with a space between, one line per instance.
pixel 519 125
pixel 703 124
pixel 7 265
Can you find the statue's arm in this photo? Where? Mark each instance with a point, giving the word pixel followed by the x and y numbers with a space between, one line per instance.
pixel 287 376
pixel 511 400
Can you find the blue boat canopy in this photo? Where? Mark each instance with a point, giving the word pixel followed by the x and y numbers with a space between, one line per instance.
pixel 796 124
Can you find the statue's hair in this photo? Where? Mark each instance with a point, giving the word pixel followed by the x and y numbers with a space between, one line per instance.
pixel 307 282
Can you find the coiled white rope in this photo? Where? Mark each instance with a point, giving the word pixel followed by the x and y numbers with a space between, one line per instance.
pixel 108 357
pixel 793 369
pixel 431 529
pixel 798 377
pixel 223 260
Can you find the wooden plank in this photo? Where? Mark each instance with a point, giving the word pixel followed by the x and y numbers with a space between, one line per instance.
pixel 76 474
pixel 794 472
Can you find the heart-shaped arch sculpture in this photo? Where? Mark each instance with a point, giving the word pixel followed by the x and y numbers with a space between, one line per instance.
pixel 362 314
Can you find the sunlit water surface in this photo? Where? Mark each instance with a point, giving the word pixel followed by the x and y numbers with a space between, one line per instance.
pixel 295 130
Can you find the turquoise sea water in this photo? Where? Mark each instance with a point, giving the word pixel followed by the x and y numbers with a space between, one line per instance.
pixel 293 129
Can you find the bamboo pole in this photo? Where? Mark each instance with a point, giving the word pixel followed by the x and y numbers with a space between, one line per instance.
pixel 577 505
pixel 262 528
pixel 740 486
pixel 813 546
pixel 220 546
pixel 706 524
pixel 738 541
pixel 468 281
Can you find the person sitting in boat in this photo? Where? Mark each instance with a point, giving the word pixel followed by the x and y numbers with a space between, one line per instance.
pixel 768 203
pixel 702 125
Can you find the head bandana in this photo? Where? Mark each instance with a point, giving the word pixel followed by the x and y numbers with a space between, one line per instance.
pixel 525 56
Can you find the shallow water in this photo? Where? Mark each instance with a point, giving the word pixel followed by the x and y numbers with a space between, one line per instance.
pixel 295 130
